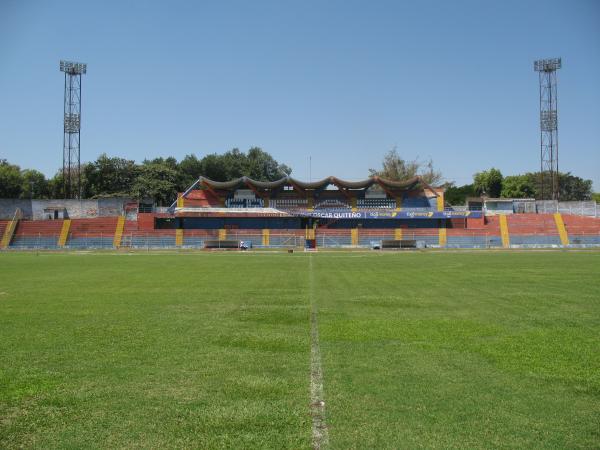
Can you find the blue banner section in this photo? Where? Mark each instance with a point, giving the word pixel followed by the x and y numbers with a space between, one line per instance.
pixel 345 214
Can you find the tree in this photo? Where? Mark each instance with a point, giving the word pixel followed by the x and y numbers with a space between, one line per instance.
pixel 256 164
pixel 236 163
pixel 395 168
pixel 488 183
pixel 169 161
pixel 156 180
pixel 261 166
pixel 190 168
pixel 572 188
pixel 109 176
pixel 596 197
pixel 457 195
pixel 11 180
pixel 517 186
pixel 214 167
pixel 56 187
pixel 34 184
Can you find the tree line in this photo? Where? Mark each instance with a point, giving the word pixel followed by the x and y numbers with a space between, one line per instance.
pixel 161 178
pixel 492 183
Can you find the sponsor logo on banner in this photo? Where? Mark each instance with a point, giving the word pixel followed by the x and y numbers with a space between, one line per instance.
pixel 414 214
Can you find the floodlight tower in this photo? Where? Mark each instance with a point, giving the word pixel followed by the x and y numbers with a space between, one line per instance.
pixel 546 69
pixel 72 127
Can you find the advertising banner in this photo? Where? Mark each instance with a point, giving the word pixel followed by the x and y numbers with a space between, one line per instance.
pixel 345 214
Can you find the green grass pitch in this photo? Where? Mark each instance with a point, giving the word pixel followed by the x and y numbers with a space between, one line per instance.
pixel 418 350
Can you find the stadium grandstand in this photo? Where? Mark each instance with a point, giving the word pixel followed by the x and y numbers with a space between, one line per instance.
pixel 286 213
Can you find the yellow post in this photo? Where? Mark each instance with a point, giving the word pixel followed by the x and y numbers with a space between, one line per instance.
pixel 64 232
pixel 398 234
pixel 222 234
pixel 398 203
pixel 8 233
pixel 179 237
pixel 562 231
pixel 354 236
pixel 443 237
pixel 504 231
pixel 10 229
pixel 353 204
pixel 440 202
pixel 119 232
pixel 265 237
pixel 266 202
pixel 180 201
pixel 311 203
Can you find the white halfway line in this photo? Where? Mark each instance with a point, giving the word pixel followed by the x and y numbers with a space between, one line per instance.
pixel 320 437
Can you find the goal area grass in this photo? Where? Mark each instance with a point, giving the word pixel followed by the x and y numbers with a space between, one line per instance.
pixel 213 350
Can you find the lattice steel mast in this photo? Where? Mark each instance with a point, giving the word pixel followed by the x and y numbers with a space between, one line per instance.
pixel 549 181
pixel 72 128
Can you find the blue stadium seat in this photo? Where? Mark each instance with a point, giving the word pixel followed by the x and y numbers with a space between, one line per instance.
pixel 33 242
pixel 534 240
pixel 89 242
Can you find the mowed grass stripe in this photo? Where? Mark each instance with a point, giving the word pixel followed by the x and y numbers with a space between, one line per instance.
pixel 320 435
pixel 156 351
pixel 472 350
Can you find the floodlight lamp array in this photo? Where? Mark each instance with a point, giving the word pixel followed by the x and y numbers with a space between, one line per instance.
pixel 547 65
pixel 549 120
pixel 73 67
pixel 72 123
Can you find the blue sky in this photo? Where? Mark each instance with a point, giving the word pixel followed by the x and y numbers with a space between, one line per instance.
pixel 340 81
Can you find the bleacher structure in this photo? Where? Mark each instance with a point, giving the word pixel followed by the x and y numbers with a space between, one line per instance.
pixel 284 213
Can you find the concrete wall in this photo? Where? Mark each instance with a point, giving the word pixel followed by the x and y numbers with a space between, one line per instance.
pixel 113 206
pixel 76 209
pixel 9 205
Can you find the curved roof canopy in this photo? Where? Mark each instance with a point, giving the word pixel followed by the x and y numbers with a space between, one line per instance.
pixel 387 185
pixel 408 184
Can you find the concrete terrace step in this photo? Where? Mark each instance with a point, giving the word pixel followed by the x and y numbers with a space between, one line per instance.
pixel 39 227
pixel 94 227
